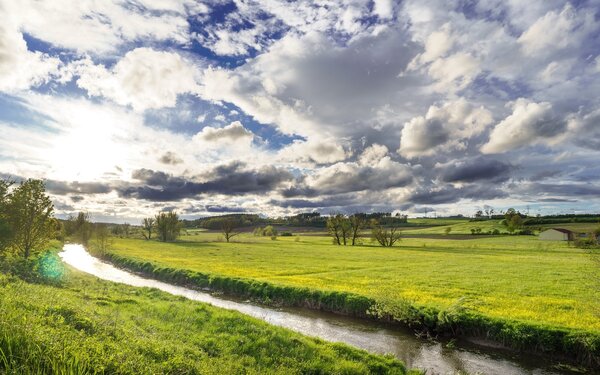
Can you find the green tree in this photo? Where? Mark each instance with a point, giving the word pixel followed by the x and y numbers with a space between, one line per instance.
pixel 168 226
pixel 5 228
pixel 514 223
pixel 29 213
pixel 81 228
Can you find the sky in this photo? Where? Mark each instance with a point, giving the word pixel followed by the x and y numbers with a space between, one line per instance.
pixel 425 107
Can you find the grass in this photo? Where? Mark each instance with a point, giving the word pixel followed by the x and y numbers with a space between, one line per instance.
pixel 87 325
pixel 515 279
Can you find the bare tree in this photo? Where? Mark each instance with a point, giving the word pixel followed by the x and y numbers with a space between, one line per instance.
pixel 338 227
pixel 357 223
pixel 229 227
pixel 385 235
pixel 147 227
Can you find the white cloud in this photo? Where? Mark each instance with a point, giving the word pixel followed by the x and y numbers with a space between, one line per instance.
pixel 529 123
pixel 143 78
pixel 383 8
pixel 443 128
pixel 557 30
pixel 99 27
pixel 20 68
pixel 320 152
pixel 234 132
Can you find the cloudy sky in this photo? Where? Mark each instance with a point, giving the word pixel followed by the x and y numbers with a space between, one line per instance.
pixel 127 107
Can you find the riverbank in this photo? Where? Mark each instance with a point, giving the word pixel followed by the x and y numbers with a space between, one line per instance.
pixel 88 326
pixel 559 343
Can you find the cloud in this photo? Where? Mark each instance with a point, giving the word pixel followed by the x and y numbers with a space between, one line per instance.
pixel 374 171
pixel 478 169
pixel 103 26
pixel 558 30
pixel 170 158
pixel 20 68
pixel 529 122
pixel 144 78
pixel 383 8
pixel 319 152
pixel 230 179
pixel 443 128
pixel 233 132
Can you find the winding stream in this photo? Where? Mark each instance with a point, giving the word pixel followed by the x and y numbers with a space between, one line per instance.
pixel 433 357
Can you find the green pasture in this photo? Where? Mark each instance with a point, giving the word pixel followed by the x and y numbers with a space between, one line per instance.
pixel 509 277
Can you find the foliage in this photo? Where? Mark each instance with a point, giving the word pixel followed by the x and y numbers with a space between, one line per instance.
pixel 29 213
pixel 80 228
pixel 168 226
pixel 92 326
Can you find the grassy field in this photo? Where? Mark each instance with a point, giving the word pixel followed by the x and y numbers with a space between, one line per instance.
pixel 516 277
pixel 91 326
pixel 516 290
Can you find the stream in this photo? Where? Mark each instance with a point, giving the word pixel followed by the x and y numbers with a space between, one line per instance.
pixel 433 357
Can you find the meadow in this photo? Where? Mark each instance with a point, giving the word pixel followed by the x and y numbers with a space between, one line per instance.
pixel 509 279
pixel 87 326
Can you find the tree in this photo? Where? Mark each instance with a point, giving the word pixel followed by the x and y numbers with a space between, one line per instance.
pixel 81 227
pixel 5 228
pixel 357 223
pixel 338 227
pixel 447 230
pixel 147 227
pixel 229 228
pixel 514 223
pixel 29 212
pixel 102 240
pixel 385 235
pixel 168 226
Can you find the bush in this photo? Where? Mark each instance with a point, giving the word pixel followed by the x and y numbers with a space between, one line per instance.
pixel 286 234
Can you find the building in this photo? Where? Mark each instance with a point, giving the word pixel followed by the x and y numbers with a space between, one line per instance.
pixel 557 234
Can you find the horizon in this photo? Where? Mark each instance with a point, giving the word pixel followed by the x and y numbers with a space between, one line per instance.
pixel 127 108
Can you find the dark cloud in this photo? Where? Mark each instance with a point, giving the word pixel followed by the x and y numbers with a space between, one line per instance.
pixel 451 194
pixel 230 179
pixel 170 158
pixel 223 209
pixel 476 170
pixel 76 198
pixel 64 187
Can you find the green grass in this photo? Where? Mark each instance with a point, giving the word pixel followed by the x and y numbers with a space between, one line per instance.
pixel 91 326
pixel 515 277
pixel 542 291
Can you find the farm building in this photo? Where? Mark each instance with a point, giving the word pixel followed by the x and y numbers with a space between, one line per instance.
pixel 557 234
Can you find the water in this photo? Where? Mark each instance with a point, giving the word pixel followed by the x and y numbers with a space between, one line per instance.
pixel 435 358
